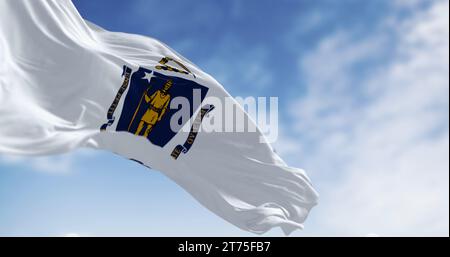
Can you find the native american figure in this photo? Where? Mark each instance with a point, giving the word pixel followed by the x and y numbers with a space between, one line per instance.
pixel 158 103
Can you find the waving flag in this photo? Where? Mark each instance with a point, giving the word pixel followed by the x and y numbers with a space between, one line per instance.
pixel 66 83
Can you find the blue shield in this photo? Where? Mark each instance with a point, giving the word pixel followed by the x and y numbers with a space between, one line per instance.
pixel 140 109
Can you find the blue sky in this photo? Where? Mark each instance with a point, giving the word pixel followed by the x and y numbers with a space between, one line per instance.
pixel 363 92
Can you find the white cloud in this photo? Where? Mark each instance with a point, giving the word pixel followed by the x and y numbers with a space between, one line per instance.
pixel 54 164
pixel 408 3
pixel 72 235
pixel 378 143
pixel 246 69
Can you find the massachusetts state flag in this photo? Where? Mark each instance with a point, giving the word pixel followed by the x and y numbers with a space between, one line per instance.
pixel 66 83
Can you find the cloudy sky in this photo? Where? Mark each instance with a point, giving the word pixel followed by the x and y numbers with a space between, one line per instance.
pixel 363 89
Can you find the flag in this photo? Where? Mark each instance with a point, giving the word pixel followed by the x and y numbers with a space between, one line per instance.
pixel 66 83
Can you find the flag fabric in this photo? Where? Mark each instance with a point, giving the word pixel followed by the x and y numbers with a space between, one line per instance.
pixel 66 83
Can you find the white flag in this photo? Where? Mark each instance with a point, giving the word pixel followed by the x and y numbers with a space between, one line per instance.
pixel 66 83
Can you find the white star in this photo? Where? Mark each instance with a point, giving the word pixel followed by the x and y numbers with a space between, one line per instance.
pixel 148 76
